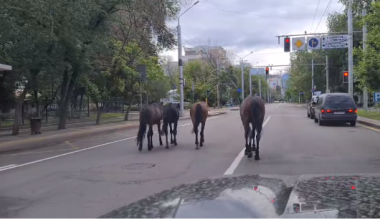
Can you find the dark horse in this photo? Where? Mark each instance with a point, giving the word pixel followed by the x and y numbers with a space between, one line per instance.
pixel 150 114
pixel 170 116
pixel 199 114
pixel 252 111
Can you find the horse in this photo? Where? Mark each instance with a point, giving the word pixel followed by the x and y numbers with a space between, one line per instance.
pixel 199 114
pixel 170 116
pixel 252 111
pixel 150 114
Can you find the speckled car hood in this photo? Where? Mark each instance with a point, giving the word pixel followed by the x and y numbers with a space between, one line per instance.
pixel 264 196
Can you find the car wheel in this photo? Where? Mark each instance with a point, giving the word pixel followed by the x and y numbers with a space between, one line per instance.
pixel 320 122
pixel 353 123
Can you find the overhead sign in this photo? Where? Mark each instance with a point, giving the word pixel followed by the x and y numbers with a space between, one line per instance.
pixel 335 42
pixel 298 43
pixel 376 97
pixel 257 71
pixel 313 43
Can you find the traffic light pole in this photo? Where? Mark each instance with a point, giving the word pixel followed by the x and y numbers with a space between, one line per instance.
pixel 350 50
pixel 312 76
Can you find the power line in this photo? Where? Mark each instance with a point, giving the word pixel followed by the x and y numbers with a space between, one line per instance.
pixel 259 15
pixel 315 13
pixel 327 7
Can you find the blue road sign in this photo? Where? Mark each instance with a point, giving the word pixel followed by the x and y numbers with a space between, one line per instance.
pixel 313 43
pixel 239 90
pixel 301 93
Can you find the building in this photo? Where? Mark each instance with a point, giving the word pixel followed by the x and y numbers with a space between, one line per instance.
pixel 204 52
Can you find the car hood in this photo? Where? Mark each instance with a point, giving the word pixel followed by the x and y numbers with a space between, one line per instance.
pixel 264 196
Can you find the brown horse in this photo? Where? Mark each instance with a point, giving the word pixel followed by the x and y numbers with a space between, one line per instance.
pixel 199 114
pixel 149 115
pixel 252 111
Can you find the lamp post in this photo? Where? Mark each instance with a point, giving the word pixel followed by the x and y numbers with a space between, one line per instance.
pixel 250 81
pixel 242 73
pixel 180 63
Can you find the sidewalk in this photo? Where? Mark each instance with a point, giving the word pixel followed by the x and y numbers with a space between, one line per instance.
pixel 50 137
pixel 369 122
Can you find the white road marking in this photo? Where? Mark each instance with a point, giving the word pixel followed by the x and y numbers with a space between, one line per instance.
pixel 278 105
pixel 13 166
pixel 7 167
pixel 237 160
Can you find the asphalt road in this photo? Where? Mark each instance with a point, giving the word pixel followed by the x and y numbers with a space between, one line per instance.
pixel 92 176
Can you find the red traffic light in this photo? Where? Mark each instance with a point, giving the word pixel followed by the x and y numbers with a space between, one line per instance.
pixel 267 69
pixel 345 74
pixel 287 40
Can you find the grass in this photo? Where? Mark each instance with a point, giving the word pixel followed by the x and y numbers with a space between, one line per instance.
pixel 369 114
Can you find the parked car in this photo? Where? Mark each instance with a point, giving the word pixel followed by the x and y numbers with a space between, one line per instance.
pixel 335 107
pixel 310 106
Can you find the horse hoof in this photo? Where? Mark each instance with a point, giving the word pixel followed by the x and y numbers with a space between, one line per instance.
pixel 245 153
pixel 257 157
pixel 175 143
pixel 140 149
pixel 167 147
pixel 253 149
pixel 249 155
pixel 201 145
pixel 197 148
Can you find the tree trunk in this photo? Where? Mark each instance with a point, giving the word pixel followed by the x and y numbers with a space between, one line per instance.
pixel 126 116
pixel 98 113
pixel 65 99
pixel 81 105
pixel 18 111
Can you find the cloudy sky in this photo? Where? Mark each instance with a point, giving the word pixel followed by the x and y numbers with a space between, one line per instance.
pixel 242 26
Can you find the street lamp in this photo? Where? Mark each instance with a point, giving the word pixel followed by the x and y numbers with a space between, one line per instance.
pixel 250 81
pixel 242 74
pixel 180 63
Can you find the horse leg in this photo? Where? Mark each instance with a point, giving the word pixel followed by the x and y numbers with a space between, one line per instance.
pixel 258 137
pixel 159 132
pixel 196 137
pixel 248 150
pixel 202 133
pixel 252 138
pixel 165 127
pixel 171 133
pixel 175 132
pixel 150 138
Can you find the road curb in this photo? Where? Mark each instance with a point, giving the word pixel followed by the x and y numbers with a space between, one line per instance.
pixel 368 124
pixel 45 141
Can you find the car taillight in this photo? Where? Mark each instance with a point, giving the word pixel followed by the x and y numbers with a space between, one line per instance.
pixel 356 111
pixel 328 111
pixel 322 111
pixel 350 110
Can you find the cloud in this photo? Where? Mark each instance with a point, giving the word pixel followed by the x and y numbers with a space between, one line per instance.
pixel 251 25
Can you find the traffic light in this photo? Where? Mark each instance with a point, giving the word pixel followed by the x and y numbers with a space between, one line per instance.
pixel 345 77
pixel 208 92
pixel 267 71
pixel 286 44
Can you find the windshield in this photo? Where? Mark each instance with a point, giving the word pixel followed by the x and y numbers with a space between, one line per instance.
pixel 107 102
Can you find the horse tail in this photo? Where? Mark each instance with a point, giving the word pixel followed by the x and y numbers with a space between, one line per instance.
pixel 257 115
pixel 144 118
pixel 198 115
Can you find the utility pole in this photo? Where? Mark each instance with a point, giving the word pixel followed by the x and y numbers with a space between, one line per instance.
pixel 242 79
pixel 180 68
pixel 327 75
pixel 312 77
pixel 365 90
pixel 260 87
pixel 350 50
pixel 217 85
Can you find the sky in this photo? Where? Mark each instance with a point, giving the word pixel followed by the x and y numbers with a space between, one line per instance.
pixel 242 26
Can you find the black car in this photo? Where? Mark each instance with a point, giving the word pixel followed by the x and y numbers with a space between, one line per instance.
pixel 310 106
pixel 335 107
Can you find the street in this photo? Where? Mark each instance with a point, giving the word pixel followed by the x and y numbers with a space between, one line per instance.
pixel 90 177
